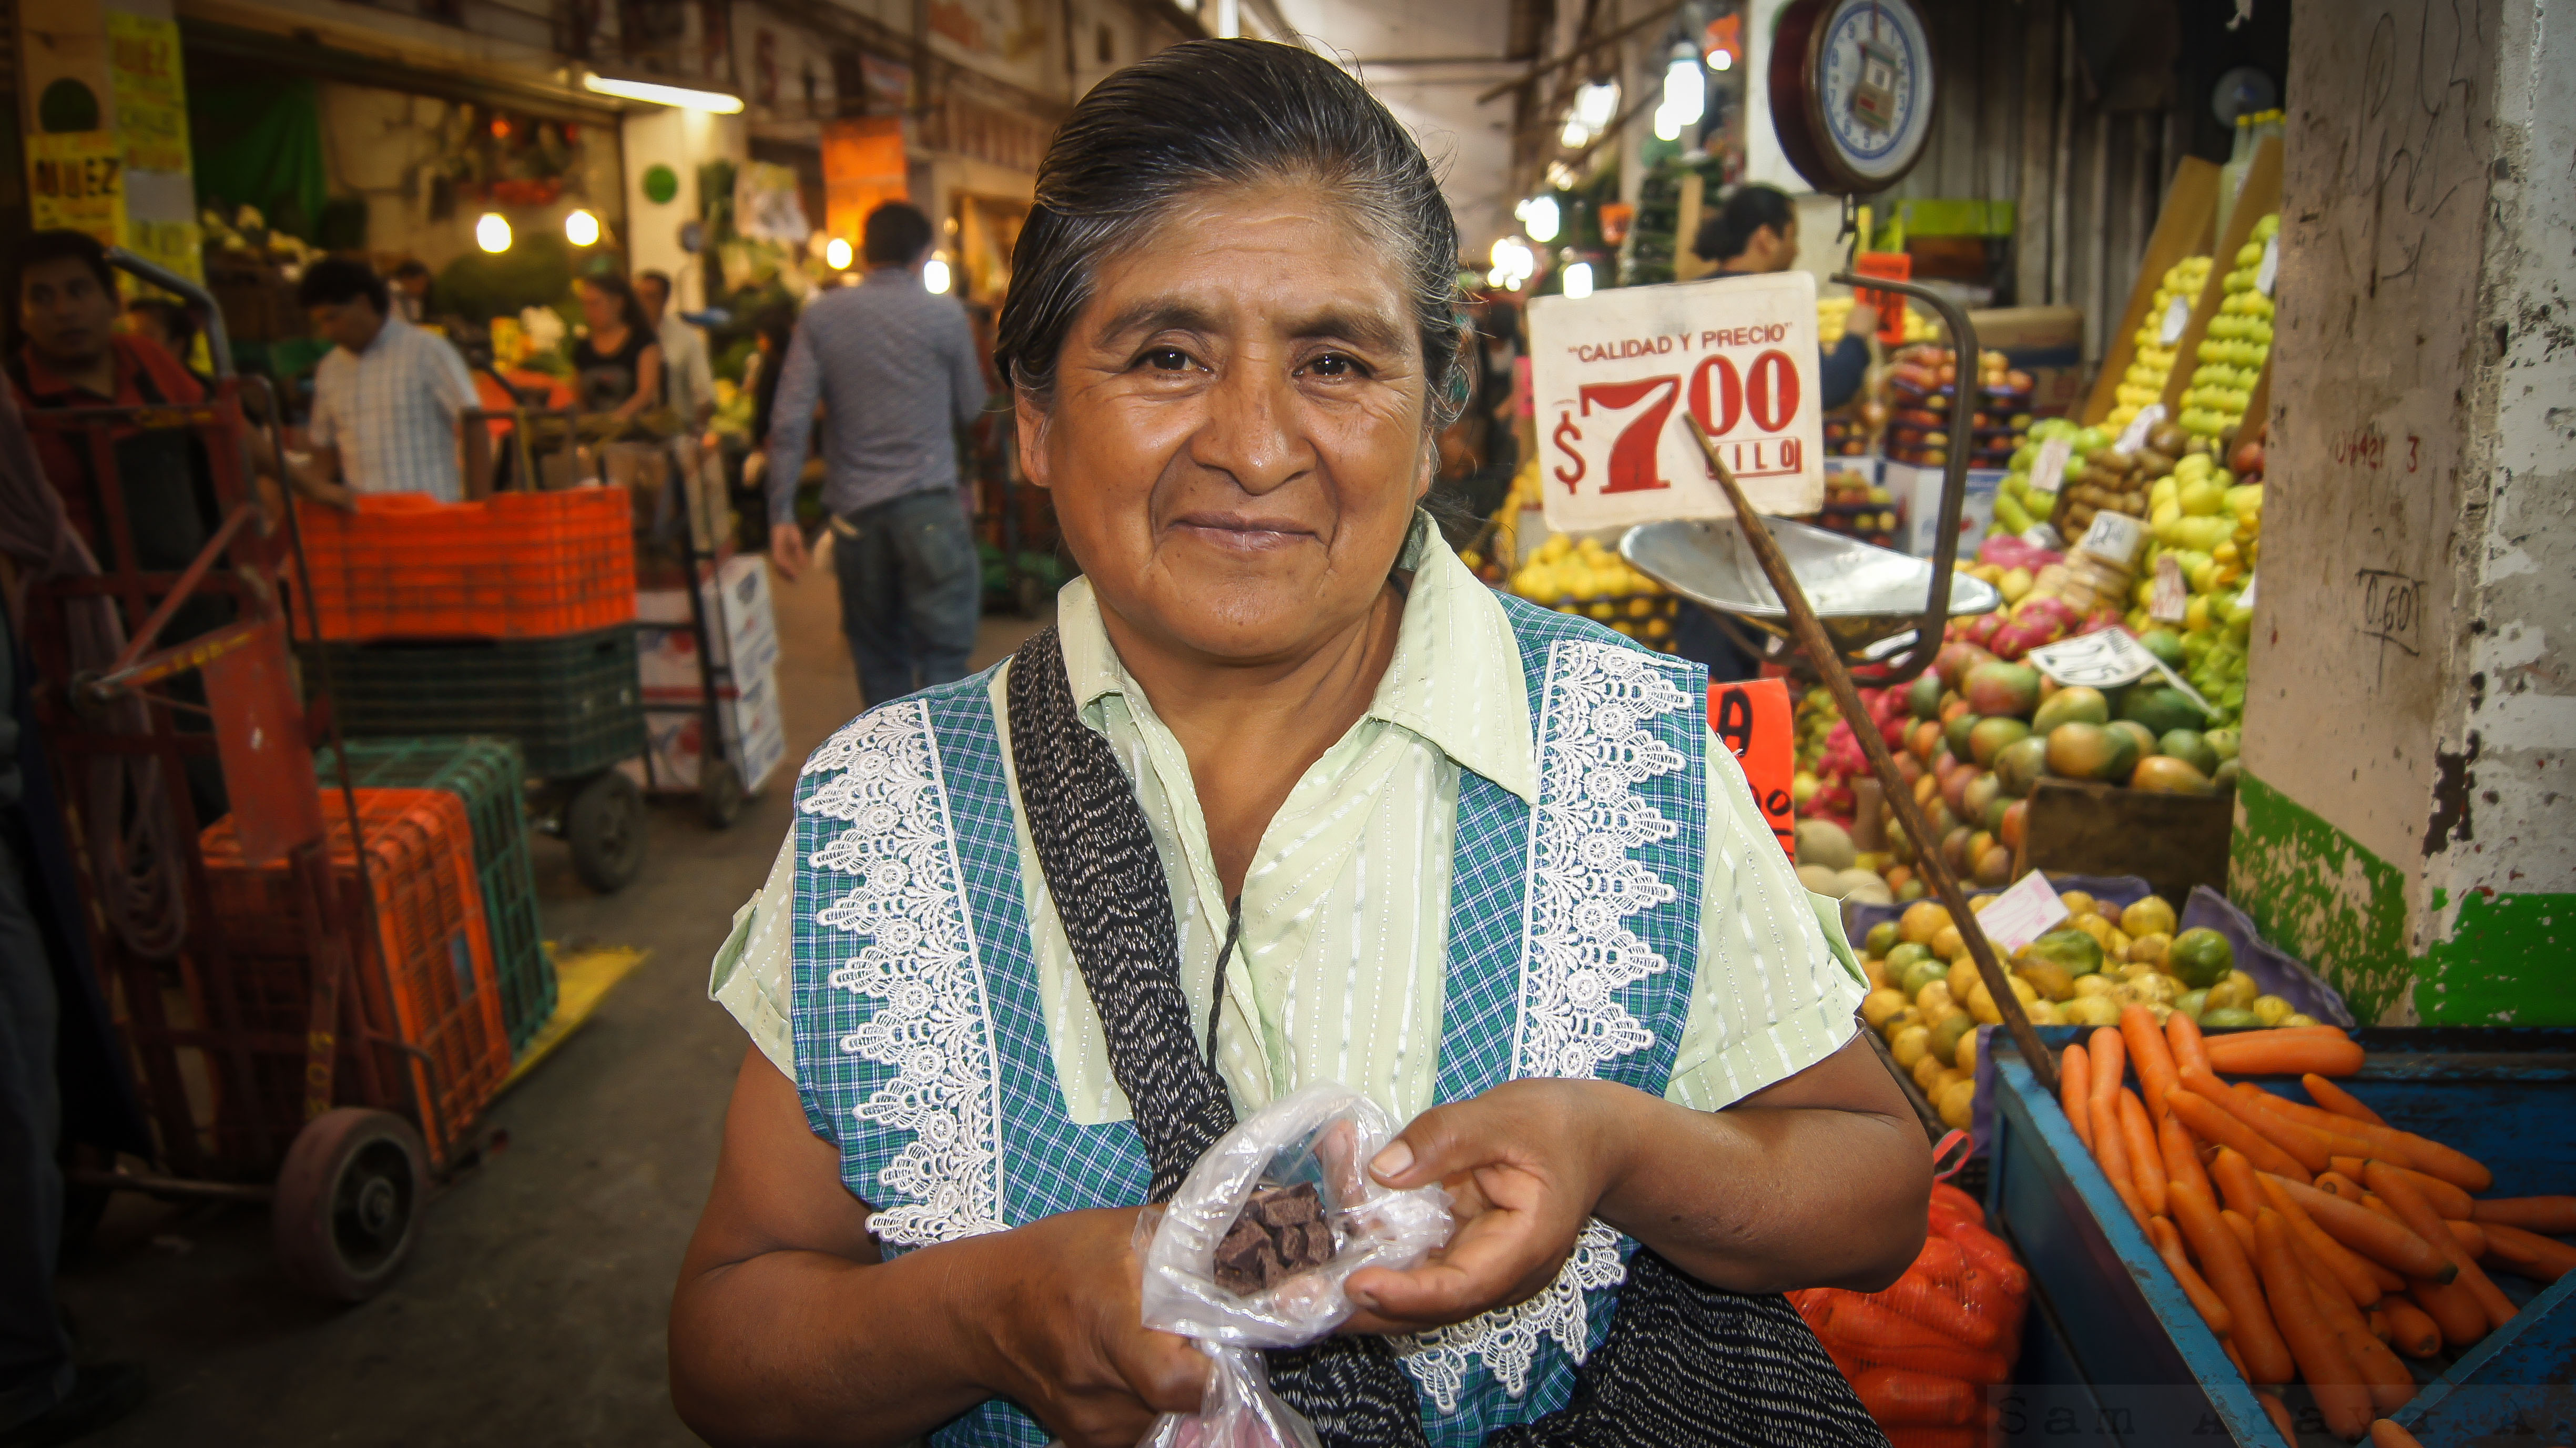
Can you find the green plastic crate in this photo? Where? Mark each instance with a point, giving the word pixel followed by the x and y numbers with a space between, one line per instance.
pixel 486 774
pixel 573 703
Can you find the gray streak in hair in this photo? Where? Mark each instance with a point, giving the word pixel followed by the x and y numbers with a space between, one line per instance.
pixel 1216 113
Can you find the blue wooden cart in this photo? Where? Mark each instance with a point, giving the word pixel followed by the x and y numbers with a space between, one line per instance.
pixel 2115 1354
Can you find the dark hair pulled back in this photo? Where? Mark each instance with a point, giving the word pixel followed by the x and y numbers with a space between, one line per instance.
pixel 1754 206
pixel 1213 113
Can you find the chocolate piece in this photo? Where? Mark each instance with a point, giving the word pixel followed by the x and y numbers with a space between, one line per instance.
pixel 1280 1232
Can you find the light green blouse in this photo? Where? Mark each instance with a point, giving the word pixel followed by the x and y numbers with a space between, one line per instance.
pixel 1338 971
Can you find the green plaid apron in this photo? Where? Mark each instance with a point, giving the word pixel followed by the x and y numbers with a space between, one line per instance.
pixel 921 1048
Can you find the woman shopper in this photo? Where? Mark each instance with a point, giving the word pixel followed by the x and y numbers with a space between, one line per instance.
pixel 617 364
pixel 1476 860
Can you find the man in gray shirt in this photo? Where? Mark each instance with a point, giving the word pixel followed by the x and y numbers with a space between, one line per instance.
pixel 896 370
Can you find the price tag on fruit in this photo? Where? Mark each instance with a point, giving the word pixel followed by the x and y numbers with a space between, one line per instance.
pixel 2166 600
pixel 2048 470
pixel 1752 719
pixel 2106 659
pixel 2270 271
pixel 1616 376
pixel 2144 423
pixel 2022 914
pixel 2177 317
pixel 2115 538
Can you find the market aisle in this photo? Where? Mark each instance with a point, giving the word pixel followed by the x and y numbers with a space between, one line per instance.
pixel 533 1308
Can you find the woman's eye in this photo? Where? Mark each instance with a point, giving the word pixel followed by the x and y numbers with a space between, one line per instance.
pixel 1167 359
pixel 1334 364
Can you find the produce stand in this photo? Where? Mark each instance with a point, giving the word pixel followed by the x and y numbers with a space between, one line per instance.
pixel 2173 841
pixel 2183 228
pixel 2113 1343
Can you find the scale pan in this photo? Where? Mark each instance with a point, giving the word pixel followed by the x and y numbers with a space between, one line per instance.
pixel 1861 593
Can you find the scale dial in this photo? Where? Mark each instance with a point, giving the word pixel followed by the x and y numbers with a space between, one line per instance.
pixel 1851 91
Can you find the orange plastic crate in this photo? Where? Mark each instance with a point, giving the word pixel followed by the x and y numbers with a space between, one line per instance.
pixel 426 979
pixel 516 565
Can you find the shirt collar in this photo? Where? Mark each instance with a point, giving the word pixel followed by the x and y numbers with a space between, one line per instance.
pixel 387 336
pixel 1455 681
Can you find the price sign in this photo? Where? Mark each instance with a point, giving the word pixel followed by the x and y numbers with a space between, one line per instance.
pixel 1752 720
pixel 2142 424
pixel 1616 376
pixel 2106 659
pixel 76 182
pixel 2166 600
pixel 1896 266
pixel 2270 271
pixel 2177 317
pixel 2048 470
pixel 2022 914
pixel 2115 538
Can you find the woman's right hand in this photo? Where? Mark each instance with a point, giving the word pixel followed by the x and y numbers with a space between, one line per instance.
pixel 1067 1336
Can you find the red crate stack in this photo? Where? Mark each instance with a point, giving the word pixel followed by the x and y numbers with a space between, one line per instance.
pixel 425 982
pixel 515 565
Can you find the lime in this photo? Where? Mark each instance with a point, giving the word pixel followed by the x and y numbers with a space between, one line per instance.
pixel 2227 1016
pixel 1882 938
pixel 2200 958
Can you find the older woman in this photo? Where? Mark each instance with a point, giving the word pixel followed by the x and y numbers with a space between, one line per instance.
pixel 1285 796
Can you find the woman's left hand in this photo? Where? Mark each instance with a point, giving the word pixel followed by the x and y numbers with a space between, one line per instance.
pixel 1526 1163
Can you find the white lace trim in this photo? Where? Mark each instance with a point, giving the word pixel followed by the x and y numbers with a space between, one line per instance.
pixel 1578 953
pixel 920 963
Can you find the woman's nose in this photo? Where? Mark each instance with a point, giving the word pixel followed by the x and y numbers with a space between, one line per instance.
pixel 1252 431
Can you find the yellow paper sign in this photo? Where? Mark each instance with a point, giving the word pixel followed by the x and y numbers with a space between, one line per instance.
pixel 76 182
pixel 151 91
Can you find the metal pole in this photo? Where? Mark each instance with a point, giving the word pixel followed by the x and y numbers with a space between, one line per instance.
pixel 1829 665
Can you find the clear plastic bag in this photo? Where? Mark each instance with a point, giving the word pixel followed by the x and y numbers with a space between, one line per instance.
pixel 1323 1135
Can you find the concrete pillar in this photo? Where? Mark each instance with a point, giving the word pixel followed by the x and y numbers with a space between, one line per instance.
pixel 2407 821
pixel 681 140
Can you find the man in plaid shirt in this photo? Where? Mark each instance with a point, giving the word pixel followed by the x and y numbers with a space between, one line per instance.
pixel 386 400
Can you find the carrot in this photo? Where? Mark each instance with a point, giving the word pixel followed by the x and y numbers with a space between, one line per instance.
pixel 2184 1040
pixel 1864 1328
pixel 2230 1273
pixel 2075 1086
pixel 2543 1259
pixel 2219 1126
pixel 2420 1218
pixel 2337 1100
pixel 2454 1204
pixel 2322 1359
pixel 2378 1321
pixel 2110 1060
pixel 2212 1309
pixel 2181 1153
pixel 2235 1359
pixel 2335 1183
pixel 2404 1148
pixel 2552 1215
pixel 2236 1184
pixel 2111 1149
pixel 2387 1242
pixel 2354 1275
pixel 2242 1225
pixel 2146 1162
pixel 2274 1408
pixel 2387 1380
pixel 2451 1306
pixel 2385 1434
pixel 1897 1397
pixel 2149 1056
pixel 2309 1147
pixel 2409 1330
pixel 2471 1237
pixel 2284 1053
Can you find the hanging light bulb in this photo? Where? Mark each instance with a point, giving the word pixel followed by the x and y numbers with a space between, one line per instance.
pixel 1721 60
pixel 935 277
pixel 581 228
pixel 1668 127
pixel 492 233
pixel 1578 279
pixel 1597 105
pixel 836 253
pixel 1540 217
pixel 1685 89
pixel 1575 135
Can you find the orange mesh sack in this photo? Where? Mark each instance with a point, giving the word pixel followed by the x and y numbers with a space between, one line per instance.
pixel 1923 1353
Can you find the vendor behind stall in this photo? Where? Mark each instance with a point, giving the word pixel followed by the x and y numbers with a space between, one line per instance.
pixel 1756 232
pixel 617 365
pixel 386 399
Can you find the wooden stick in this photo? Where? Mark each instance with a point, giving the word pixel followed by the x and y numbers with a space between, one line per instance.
pixel 1927 850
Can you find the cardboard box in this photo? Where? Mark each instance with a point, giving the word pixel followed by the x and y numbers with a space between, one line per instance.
pixel 754 733
pixel 742 622
pixel 1918 489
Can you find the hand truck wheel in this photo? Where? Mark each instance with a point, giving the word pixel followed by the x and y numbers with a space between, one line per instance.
pixel 348 1202
pixel 604 824
pixel 720 793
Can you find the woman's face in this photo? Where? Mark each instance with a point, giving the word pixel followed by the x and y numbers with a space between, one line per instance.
pixel 1236 442
pixel 599 307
